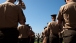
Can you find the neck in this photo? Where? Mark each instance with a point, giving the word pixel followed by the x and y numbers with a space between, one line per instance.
pixel 54 20
pixel 71 1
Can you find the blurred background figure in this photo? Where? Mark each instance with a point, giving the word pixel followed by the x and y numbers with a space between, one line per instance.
pixel 32 36
pixel 21 4
pixel 38 38
pixel 24 33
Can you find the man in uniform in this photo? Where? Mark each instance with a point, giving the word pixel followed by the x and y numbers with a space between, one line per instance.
pixel 29 37
pixel 38 38
pixel 10 15
pixel 42 37
pixel 53 29
pixel 45 32
pixel 24 33
pixel 32 36
pixel 67 16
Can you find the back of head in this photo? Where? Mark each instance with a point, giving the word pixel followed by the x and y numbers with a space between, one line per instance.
pixel 11 1
pixel 53 17
pixel 28 25
pixel 67 1
pixel 45 27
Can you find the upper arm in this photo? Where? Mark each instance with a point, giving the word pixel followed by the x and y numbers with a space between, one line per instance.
pixel 21 15
pixel 60 14
pixel 49 26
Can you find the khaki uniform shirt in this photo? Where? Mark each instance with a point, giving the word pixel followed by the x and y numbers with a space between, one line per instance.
pixel 32 34
pixel 53 27
pixel 67 14
pixel 10 15
pixel 24 31
pixel 45 32
pixel 45 35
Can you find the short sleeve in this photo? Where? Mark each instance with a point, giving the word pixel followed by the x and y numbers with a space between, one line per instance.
pixel 21 14
pixel 49 25
pixel 60 13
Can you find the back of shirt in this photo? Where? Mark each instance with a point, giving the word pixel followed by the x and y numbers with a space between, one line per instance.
pixel 45 32
pixel 68 14
pixel 24 31
pixel 54 27
pixel 10 15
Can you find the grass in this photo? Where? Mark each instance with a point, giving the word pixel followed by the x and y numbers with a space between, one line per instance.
pixel 36 42
pixel 40 42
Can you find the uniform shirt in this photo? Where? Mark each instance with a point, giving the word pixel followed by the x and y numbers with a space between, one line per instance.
pixel 10 15
pixel 53 27
pixel 24 31
pixel 67 14
pixel 45 32
pixel 45 35
pixel 32 33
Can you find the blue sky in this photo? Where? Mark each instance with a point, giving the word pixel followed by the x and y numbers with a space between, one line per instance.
pixel 38 12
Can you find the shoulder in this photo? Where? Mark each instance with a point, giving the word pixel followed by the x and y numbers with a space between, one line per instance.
pixel 49 23
pixel 62 7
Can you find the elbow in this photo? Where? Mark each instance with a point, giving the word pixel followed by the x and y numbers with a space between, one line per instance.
pixel 22 22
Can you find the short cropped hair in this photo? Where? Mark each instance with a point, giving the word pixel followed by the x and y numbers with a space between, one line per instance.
pixel 72 0
pixel 65 0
